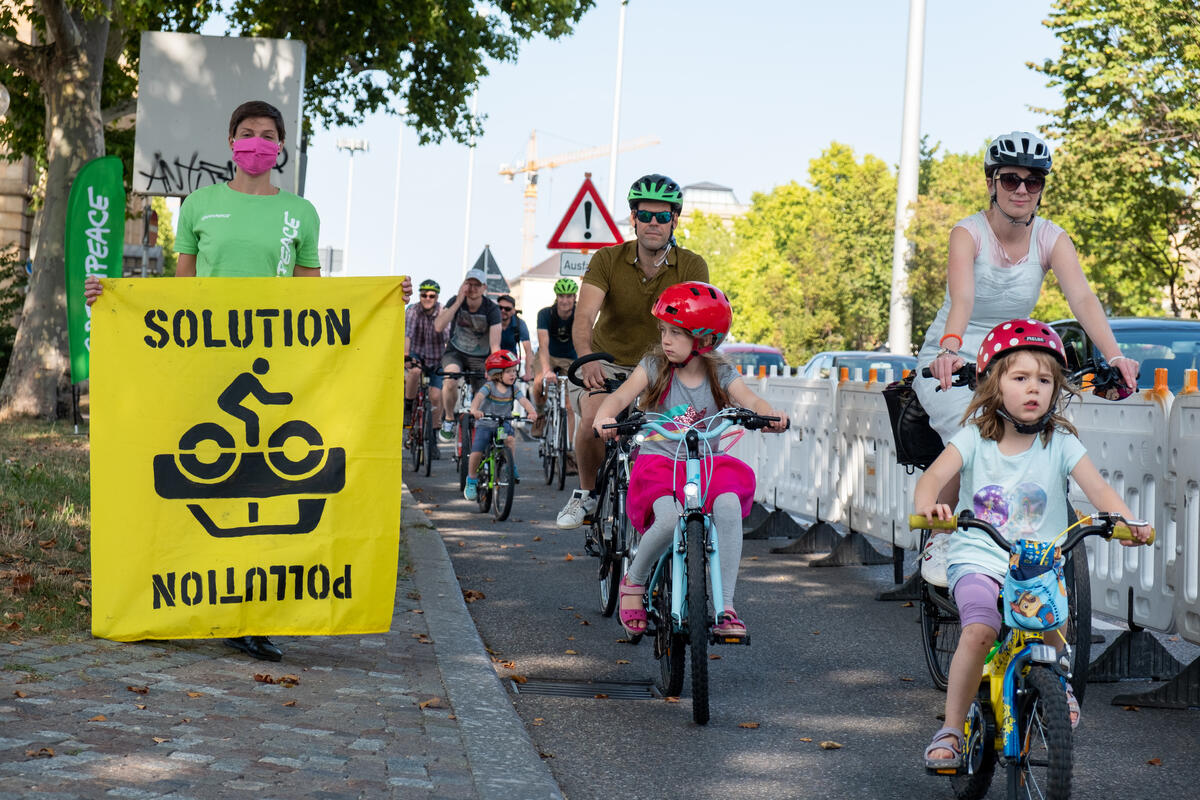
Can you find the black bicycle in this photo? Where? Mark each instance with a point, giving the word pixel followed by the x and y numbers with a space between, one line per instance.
pixel 421 443
pixel 610 537
pixel 940 627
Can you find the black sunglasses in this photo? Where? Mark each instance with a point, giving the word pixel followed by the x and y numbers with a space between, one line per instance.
pixel 429 294
pixel 1009 181
pixel 663 217
pixel 506 308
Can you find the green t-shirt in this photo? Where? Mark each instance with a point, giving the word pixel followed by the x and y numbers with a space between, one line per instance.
pixel 238 235
pixel 625 327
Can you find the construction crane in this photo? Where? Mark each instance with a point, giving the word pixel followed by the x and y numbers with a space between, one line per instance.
pixel 530 167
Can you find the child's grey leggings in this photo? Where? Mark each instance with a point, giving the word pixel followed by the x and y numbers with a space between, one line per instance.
pixel 727 516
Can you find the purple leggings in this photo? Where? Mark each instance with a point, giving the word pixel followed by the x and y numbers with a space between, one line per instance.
pixel 975 595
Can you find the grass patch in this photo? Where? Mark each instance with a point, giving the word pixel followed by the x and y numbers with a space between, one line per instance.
pixel 45 524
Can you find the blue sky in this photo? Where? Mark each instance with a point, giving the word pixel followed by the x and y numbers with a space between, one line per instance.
pixel 743 95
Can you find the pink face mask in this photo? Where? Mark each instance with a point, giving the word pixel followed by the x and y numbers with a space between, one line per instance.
pixel 255 155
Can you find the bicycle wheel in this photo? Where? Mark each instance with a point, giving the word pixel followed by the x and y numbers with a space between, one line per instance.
pixel 416 451
pixel 1079 620
pixel 463 446
pixel 699 617
pixel 546 446
pixel 979 755
pixel 560 457
pixel 427 439
pixel 483 494
pixel 504 483
pixel 940 631
pixel 668 643
pixel 607 531
pixel 1043 772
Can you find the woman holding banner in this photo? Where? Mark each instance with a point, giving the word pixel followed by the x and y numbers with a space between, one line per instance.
pixel 247 228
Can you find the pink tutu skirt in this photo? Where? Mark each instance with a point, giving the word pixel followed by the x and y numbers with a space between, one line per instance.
pixel 653 476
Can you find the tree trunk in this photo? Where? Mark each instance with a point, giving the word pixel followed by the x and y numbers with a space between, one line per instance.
pixel 38 381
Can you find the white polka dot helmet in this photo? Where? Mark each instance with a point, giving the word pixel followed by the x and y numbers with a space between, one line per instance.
pixel 1018 334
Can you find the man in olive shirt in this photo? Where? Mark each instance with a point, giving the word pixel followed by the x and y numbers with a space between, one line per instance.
pixel 619 289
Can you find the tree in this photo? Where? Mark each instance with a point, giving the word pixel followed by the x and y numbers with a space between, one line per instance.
pixel 810 267
pixel 78 72
pixel 1129 74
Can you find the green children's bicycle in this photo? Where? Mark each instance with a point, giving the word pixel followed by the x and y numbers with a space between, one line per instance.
pixel 497 472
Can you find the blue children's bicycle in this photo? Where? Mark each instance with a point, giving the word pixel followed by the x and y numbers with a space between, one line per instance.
pixel 679 605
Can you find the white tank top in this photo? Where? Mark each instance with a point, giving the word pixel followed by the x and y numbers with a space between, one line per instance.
pixel 1004 290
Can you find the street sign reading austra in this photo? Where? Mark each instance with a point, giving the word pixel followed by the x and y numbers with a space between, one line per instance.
pixel 587 224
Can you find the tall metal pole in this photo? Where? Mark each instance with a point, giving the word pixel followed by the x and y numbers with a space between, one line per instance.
pixel 610 197
pixel 396 201
pixel 352 146
pixel 470 180
pixel 900 320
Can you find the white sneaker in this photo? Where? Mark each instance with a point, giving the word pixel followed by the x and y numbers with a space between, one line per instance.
pixel 447 431
pixel 934 559
pixel 576 510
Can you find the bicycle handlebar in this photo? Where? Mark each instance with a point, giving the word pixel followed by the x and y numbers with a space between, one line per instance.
pixel 610 384
pixel 1103 523
pixel 1105 377
pixel 731 416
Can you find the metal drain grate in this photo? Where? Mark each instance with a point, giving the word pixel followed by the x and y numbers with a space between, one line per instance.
pixel 601 690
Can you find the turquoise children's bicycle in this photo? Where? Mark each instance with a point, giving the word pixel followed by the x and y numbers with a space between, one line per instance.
pixel 1020 718
pixel 680 609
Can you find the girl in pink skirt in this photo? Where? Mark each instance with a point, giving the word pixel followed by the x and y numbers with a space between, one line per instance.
pixel 685 380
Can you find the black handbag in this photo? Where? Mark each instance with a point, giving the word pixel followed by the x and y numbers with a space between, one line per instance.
pixel 917 443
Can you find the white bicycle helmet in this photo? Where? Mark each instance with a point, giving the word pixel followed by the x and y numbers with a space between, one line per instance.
pixel 1017 149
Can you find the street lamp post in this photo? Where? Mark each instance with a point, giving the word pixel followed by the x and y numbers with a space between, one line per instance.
pixel 351 145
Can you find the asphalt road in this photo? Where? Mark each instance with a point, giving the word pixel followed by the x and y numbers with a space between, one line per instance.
pixel 828 663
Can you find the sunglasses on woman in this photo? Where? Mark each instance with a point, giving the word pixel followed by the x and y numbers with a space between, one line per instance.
pixel 1009 181
pixel 663 217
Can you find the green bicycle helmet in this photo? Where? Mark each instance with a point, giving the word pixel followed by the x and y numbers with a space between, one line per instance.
pixel 430 285
pixel 565 286
pixel 656 187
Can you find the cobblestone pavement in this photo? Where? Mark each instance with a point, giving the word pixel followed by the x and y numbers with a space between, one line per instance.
pixel 413 713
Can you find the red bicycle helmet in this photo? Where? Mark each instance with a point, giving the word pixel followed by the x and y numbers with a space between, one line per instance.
pixel 1019 334
pixel 501 359
pixel 699 308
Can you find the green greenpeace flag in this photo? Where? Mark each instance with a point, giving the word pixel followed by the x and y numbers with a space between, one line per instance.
pixel 95 245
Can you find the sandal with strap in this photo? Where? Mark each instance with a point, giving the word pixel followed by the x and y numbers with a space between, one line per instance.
pixel 1074 713
pixel 631 617
pixel 945 739
pixel 729 626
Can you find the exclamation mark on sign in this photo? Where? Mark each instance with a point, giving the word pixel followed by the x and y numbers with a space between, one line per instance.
pixel 587 219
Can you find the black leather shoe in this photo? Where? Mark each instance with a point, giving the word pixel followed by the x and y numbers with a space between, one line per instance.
pixel 259 647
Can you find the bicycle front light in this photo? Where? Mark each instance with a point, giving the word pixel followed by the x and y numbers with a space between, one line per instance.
pixel 692 492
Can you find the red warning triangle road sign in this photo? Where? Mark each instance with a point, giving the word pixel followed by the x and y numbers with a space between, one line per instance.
pixel 587 224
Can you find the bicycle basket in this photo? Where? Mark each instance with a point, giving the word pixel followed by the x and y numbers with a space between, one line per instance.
pixel 1035 591
pixel 917 444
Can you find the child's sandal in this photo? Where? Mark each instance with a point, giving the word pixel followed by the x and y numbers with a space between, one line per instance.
pixel 945 739
pixel 631 617
pixel 728 625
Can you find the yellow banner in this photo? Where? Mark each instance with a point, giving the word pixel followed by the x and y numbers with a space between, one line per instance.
pixel 246 442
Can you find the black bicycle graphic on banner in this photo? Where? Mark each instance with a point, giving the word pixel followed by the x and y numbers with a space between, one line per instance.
pixel 210 464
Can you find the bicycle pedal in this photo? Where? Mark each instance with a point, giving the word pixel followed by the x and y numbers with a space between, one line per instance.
pixel 716 638
pixel 592 548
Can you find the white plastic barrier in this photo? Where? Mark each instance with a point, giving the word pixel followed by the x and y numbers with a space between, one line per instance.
pixel 1183 539
pixel 871 494
pixel 798 473
pixel 1127 443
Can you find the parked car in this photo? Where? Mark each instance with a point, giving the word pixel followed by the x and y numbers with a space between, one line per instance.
pixel 1154 341
pixel 749 357
pixel 829 364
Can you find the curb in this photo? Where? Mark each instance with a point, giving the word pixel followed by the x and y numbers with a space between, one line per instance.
pixel 503 761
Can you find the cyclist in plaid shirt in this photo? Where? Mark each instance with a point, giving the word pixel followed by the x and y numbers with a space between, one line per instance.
pixel 422 341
